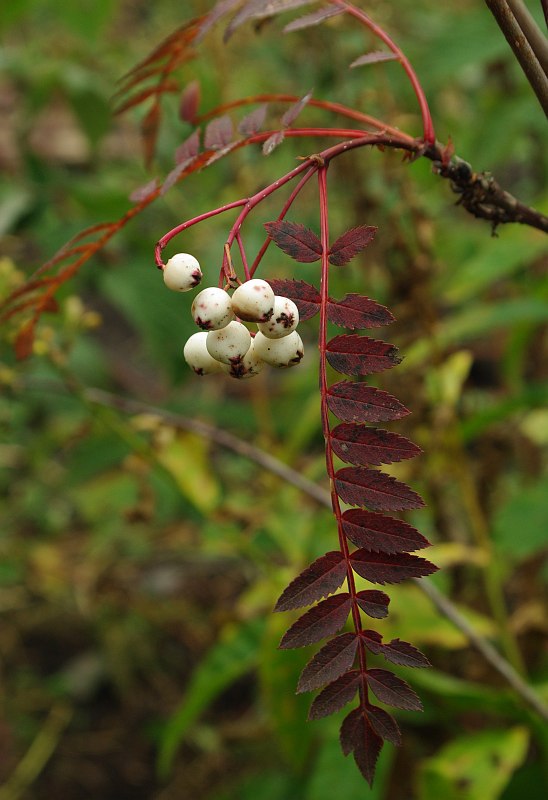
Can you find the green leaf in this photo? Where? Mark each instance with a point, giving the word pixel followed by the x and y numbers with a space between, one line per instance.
pixel 233 656
pixel 496 259
pixel 521 523
pixel 474 767
pixel 186 458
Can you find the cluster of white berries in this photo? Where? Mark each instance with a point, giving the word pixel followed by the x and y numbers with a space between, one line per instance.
pixel 225 344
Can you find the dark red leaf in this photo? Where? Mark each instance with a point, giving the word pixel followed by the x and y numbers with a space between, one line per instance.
pixel 318 580
pixel 372 640
pixel 405 654
pixel 351 729
pixel 218 133
pixel 357 311
pixel 393 690
pixel 357 736
pixel 357 402
pixel 384 534
pixel 294 239
pixel 389 567
pixel 359 445
pixel 189 148
pixel 335 658
pixel 324 619
pixel 370 487
pixel 312 19
pixel 253 122
pixel 305 296
pixel 366 751
pixel 373 58
pixel 350 244
pixel 353 354
pixel 142 192
pixel 273 142
pixel 374 602
pixel 293 111
pixel 335 696
pixel 190 101
pixel 384 724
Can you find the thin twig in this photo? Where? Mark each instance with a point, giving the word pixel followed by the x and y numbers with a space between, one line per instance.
pixel 522 49
pixel 321 496
pixel 531 31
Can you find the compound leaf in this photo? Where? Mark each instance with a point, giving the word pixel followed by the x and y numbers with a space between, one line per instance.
pixel 389 567
pixel 356 444
pixel 350 244
pixel 353 354
pixel 373 58
pixel 335 696
pixel 358 486
pixel 357 402
pixel 305 296
pixel 374 602
pixel 393 690
pixel 358 311
pixel 384 724
pixel 315 18
pixel 324 619
pixel 378 532
pixel 218 133
pixel 253 122
pixel 293 111
pixel 190 101
pixel 318 580
pixel 334 659
pixel 296 240
pixel 404 654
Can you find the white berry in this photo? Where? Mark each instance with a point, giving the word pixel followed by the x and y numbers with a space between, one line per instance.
pixel 212 309
pixel 283 321
pixel 248 367
pixel 253 301
pixel 285 352
pixel 196 355
pixel 229 344
pixel 182 273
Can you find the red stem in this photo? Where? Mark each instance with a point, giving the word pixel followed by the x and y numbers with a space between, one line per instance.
pixel 287 205
pixel 428 126
pixel 322 344
pixel 243 256
pixel 359 139
pixel 326 105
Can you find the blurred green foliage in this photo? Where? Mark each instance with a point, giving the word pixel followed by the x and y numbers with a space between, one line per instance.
pixel 139 563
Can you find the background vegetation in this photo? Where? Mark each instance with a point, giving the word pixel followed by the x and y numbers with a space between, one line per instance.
pixel 139 561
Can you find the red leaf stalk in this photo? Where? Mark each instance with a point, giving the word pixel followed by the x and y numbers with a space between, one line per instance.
pixel 322 343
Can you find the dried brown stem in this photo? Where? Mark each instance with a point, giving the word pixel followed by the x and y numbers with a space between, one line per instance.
pixel 481 195
pixel 523 49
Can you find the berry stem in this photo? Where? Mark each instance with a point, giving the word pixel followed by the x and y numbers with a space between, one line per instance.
pixel 287 205
pixel 243 255
pixel 322 343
